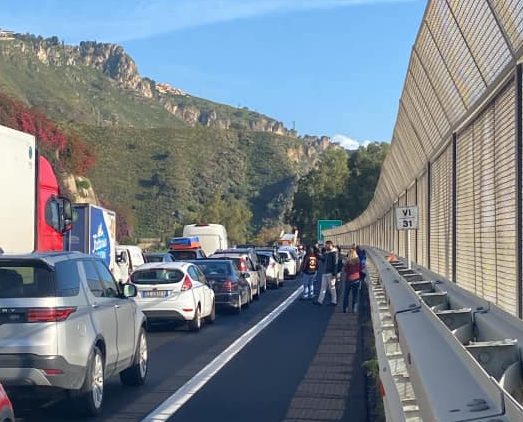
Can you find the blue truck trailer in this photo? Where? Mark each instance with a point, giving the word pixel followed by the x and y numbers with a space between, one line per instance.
pixel 94 233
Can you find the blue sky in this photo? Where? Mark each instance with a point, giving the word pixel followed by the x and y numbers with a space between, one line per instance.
pixel 334 67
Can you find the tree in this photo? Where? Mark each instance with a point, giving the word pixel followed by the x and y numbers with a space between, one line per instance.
pixel 340 188
pixel 233 213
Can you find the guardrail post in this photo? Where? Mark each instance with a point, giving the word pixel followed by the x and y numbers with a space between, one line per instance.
pixel 453 205
pixel 519 181
pixel 429 189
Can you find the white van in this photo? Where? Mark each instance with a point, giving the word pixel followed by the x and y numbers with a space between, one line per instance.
pixel 128 258
pixel 212 236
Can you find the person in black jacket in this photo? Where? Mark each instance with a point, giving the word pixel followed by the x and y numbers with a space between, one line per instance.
pixel 328 280
pixel 309 267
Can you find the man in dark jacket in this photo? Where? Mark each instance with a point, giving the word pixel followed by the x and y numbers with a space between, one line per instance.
pixel 328 280
pixel 309 267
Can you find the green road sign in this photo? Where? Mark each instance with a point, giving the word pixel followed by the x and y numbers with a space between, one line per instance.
pixel 326 225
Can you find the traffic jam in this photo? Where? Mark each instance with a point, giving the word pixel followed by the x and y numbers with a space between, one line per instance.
pixel 76 308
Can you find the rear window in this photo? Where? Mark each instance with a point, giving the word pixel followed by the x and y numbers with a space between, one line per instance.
pixel 157 276
pixel 215 269
pixel 184 255
pixel 264 259
pixel 154 258
pixel 37 281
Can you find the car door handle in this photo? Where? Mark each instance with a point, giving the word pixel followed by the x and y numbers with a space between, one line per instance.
pixel 117 306
pixel 94 305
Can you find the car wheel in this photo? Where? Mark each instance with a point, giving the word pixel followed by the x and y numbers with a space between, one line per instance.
pixel 91 397
pixel 258 290
pixel 264 287
pixel 212 316
pixel 196 323
pixel 136 374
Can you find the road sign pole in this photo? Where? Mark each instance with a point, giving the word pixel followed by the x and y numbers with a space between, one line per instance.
pixel 408 250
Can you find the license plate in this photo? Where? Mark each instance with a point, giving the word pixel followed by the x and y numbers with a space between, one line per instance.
pixel 156 293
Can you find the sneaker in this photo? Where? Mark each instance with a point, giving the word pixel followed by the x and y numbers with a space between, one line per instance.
pixel 333 304
pixel 317 303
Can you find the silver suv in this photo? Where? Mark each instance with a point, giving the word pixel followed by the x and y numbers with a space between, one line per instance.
pixel 65 324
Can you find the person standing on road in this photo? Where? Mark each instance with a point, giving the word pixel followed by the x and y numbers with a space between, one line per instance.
pixel 317 281
pixel 309 267
pixel 328 280
pixel 353 271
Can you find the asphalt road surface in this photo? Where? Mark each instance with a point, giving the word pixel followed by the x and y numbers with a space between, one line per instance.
pixel 257 384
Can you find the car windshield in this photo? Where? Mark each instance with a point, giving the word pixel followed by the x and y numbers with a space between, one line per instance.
pixel 157 276
pixel 216 269
pixel 184 255
pixel 283 255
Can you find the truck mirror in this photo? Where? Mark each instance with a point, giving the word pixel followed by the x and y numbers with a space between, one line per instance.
pixel 121 257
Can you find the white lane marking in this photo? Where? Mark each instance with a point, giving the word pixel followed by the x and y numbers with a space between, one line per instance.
pixel 170 406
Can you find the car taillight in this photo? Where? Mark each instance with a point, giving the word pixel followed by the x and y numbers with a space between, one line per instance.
pixel 187 284
pixel 243 267
pixel 49 314
pixel 229 286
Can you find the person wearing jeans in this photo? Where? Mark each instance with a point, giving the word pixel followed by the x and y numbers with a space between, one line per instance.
pixel 353 270
pixel 309 267
pixel 328 279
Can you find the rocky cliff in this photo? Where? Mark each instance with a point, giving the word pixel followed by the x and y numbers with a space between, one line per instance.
pixel 115 63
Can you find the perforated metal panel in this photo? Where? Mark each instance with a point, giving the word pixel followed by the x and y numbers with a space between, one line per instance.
pixel 506 207
pixel 465 226
pixel 440 214
pixel 421 234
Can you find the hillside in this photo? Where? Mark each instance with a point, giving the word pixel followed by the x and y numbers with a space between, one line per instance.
pixel 157 149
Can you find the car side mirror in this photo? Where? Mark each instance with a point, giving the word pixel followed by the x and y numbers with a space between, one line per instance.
pixel 130 290
pixel 121 258
pixel 246 275
pixel 258 267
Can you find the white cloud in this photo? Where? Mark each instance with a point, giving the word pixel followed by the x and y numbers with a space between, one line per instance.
pixel 349 143
pixel 140 19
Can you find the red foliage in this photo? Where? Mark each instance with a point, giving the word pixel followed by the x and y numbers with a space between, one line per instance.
pixel 73 153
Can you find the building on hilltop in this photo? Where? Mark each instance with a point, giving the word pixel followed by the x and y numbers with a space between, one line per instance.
pixel 6 35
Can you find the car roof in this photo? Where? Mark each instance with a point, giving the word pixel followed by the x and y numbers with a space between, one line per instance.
pixel 213 260
pixel 50 258
pixel 177 265
pixel 234 250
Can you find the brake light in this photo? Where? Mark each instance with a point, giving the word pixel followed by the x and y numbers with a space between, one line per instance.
pixel 243 266
pixel 187 284
pixel 53 371
pixel 49 314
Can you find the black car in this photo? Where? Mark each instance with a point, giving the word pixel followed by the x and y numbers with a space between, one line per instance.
pixel 187 254
pixel 158 257
pixel 231 289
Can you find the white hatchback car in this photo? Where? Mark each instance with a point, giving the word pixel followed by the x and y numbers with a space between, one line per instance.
pixel 175 291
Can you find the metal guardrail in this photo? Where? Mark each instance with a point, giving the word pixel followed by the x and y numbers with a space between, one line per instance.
pixel 444 354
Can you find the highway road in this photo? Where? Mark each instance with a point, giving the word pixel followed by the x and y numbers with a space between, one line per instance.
pixel 257 384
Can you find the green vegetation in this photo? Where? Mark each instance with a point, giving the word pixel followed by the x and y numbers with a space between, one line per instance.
pixel 155 172
pixel 143 161
pixel 340 187
pixel 233 213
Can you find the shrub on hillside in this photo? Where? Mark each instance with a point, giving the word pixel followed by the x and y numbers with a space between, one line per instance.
pixel 66 151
